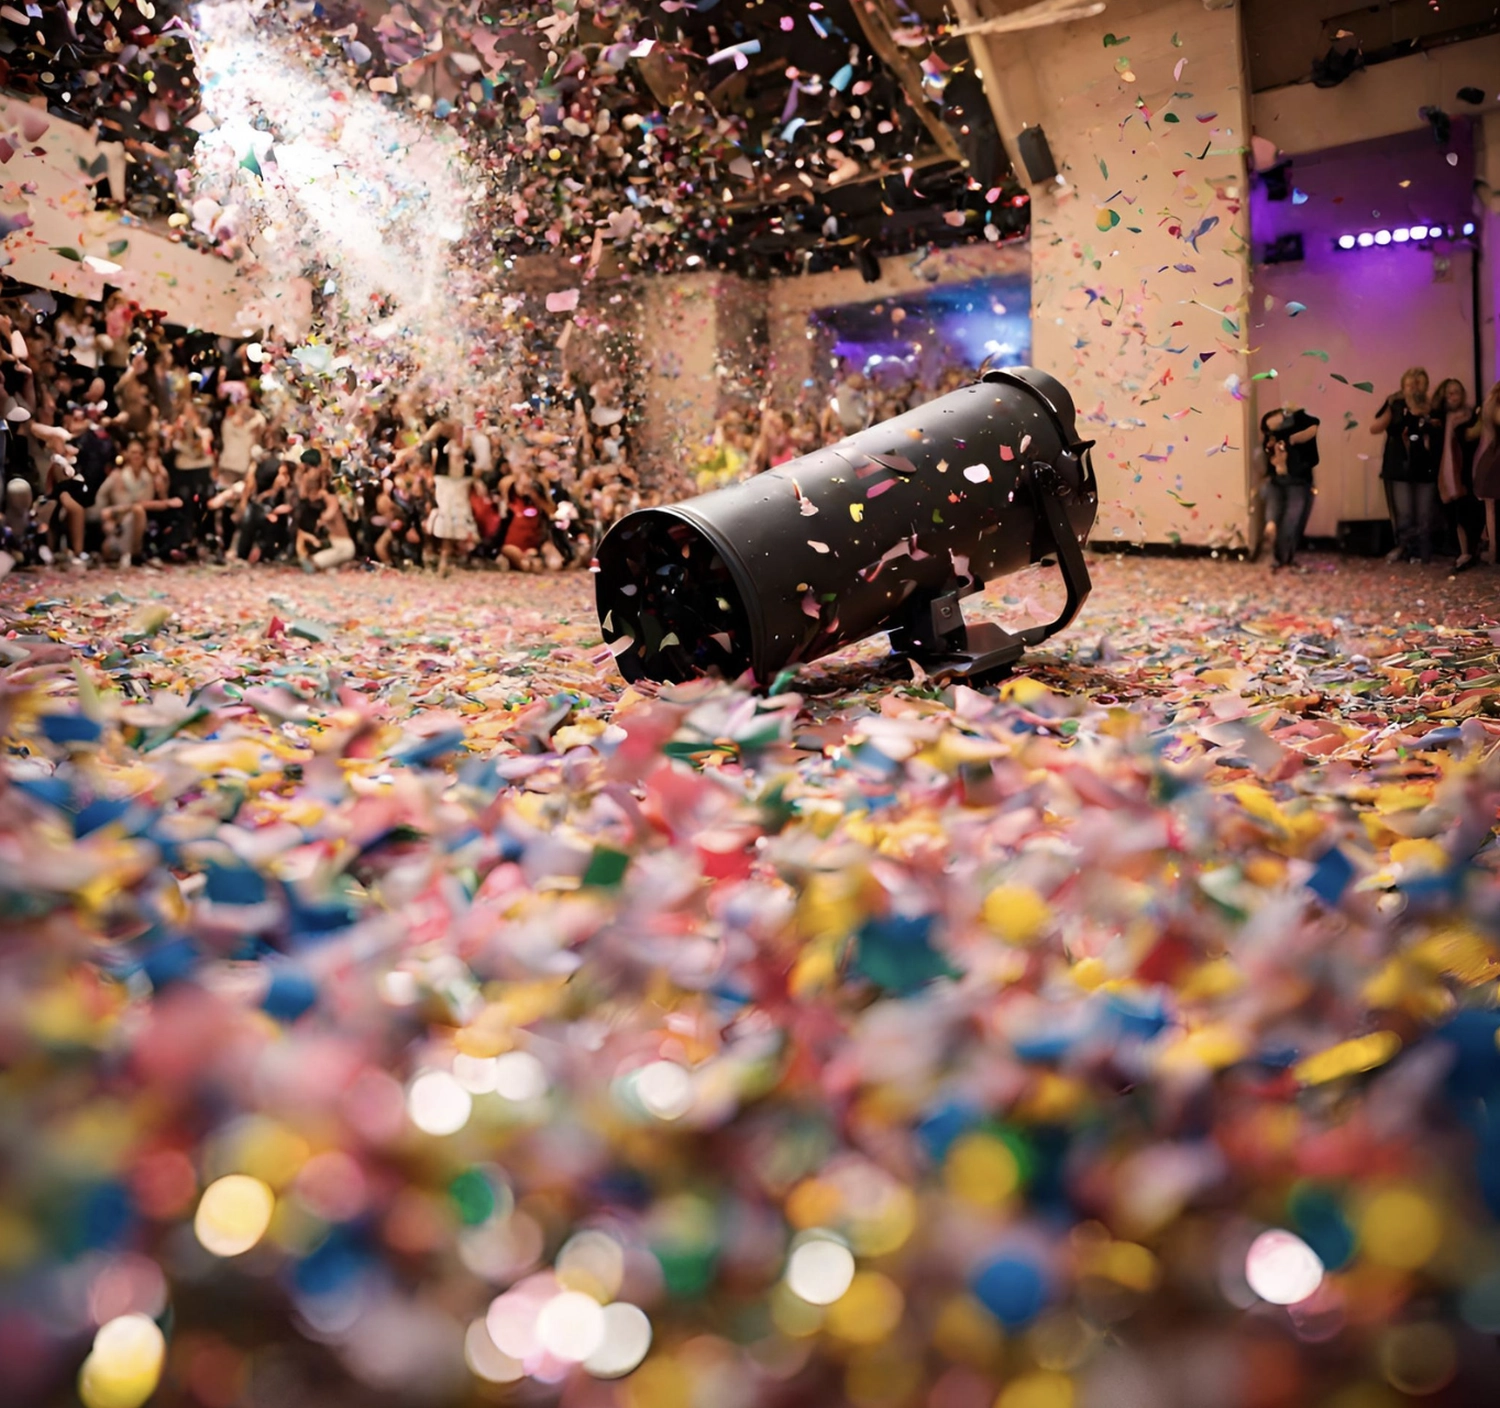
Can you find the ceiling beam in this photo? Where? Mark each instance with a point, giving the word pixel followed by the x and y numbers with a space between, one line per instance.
pixel 878 21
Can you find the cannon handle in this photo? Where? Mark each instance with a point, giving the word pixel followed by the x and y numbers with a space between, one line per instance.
pixel 933 631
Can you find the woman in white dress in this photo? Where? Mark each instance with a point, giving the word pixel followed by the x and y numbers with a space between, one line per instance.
pixel 453 518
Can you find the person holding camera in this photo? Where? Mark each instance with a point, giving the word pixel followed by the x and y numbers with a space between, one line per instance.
pixel 1289 437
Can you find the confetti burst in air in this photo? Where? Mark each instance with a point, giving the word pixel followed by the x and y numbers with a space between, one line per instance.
pixel 329 194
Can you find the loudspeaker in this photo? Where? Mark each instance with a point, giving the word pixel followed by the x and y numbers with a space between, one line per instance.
pixel 1285 250
pixel 1036 155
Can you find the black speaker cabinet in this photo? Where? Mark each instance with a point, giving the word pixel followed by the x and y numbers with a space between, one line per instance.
pixel 1036 155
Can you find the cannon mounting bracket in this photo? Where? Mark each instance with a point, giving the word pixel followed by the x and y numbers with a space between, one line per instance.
pixel 932 630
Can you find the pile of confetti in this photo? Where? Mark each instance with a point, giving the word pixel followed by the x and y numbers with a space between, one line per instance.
pixel 393 1002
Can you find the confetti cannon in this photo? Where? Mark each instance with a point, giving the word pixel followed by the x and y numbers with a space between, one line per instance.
pixel 885 531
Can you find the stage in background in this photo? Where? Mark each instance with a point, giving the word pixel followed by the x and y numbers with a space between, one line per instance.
pixel 922 335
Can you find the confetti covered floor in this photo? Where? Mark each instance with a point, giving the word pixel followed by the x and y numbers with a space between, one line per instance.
pixel 415 1014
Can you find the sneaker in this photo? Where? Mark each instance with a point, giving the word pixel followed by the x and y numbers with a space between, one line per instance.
pixel 45 553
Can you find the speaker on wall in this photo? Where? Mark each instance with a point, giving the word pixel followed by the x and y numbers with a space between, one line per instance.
pixel 1285 250
pixel 1036 155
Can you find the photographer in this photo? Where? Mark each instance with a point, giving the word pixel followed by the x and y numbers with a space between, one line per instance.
pixel 1289 437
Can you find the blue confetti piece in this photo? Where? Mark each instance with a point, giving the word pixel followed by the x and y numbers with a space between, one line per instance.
pixel 50 791
pixel 428 750
pixel 170 962
pixel 1331 877
pixel 1012 1290
pixel 842 79
pixel 70 728
pixel 1475 1073
pixel 234 885
pixel 944 1126
pixel 292 992
pixel 894 953
pixel 792 128
pixel 1299 197
pixel 100 812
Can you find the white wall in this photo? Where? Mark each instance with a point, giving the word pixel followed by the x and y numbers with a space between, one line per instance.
pixel 1125 313
pixel 45 180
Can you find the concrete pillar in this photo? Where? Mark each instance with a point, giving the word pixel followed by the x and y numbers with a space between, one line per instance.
pixel 1140 258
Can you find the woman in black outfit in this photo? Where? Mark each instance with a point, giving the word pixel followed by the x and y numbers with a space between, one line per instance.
pixel 263 518
pixel 1413 445
pixel 1456 450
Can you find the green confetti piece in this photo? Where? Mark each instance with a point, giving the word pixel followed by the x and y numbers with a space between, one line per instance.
pixel 1103 169
pixel 1231 327
pixel 1265 376
pixel 606 868
pixel 1314 352
pixel 1113 41
pixel 1170 117
pixel 1177 41
pixel 315 631
pixel 250 164
pixel 1364 386
pixel 1337 377
pixel 64 251
pixel 117 248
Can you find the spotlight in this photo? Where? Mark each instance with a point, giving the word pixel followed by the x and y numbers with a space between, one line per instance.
pixel 1346 241
pixel 1400 236
pixel 1419 232
pixel 1469 228
pixel 1365 240
pixel 1382 236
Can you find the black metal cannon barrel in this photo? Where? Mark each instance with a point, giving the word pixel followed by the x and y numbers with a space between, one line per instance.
pixel 884 531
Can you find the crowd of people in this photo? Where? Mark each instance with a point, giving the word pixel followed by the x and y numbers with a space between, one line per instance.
pixel 1440 468
pixel 126 442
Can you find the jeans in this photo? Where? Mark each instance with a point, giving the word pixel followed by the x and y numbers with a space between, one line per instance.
pixel 1416 513
pixel 1288 504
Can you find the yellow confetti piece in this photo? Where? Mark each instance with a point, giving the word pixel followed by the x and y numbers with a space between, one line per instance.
pixel 1420 856
pixel 1017 913
pixel 125 1364
pixel 1211 1048
pixel 868 1311
pixel 1363 1053
pixel 981 1170
pixel 1400 1227
pixel 1024 690
pixel 1042 1389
